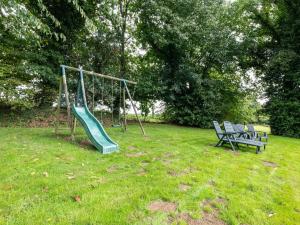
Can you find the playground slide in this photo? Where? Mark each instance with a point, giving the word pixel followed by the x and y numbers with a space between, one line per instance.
pixel 94 130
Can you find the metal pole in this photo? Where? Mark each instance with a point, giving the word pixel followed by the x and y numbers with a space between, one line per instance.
pixel 93 102
pixel 73 129
pixel 82 85
pixel 67 97
pixel 98 74
pixel 135 111
pixel 112 102
pixel 58 106
pixel 124 109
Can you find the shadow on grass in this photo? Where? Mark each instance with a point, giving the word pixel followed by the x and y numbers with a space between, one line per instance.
pixel 242 149
pixel 80 140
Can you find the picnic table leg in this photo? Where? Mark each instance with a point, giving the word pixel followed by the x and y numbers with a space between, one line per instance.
pixel 220 142
pixel 257 149
pixel 231 145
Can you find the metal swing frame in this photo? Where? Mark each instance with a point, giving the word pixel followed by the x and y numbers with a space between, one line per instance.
pixel 63 88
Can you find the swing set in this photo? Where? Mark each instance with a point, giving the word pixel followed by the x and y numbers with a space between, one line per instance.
pixel 78 110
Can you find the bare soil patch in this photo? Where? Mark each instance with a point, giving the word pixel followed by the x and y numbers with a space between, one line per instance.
pixel 85 144
pixel 211 183
pixel 181 173
pixel 135 155
pixel 167 162
pixel 68 138
pixel 147 138
pixel 142 172
pixel 162 206
pixel 213 203
pixel 184 187
pixel 207 219
pixel 131 147
pixel 112 169
pixel 145 163
pixel 270 164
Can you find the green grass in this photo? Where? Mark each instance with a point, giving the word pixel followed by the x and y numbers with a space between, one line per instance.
pixel 40 175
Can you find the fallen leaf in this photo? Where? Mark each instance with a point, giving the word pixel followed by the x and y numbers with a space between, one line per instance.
pixel 71 177
pixel 77 198
pixel 271 214
pixel 46 174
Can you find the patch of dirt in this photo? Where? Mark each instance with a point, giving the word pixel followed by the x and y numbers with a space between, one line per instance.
pixel 99 180
pixel 131 147
pixel 236 153
pixel 162 206
pixel 270 164
pixel 142 172
pixel 207 219
pixel 145 163
pixel 173 173
pixel 45 189
pixel 147 138
pixel 167 162
pixel 184 187
pixel 135 155
pixel 7 187
pixel 211 219
pixel 85 144
pixel 213 203
pixel 77 198
pixel 65 157
pixel 70 176
pixel 212 183
pixel 181 173
pixel 68 138
pixel 112 169
pixel 168 154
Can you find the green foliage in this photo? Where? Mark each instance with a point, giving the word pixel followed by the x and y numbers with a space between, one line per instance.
pixel 283 78
pixel 193 55
pixel 278 57
pixel 35 38
pixel 192 42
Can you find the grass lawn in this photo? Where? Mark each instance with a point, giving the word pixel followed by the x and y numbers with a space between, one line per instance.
pixel 173 176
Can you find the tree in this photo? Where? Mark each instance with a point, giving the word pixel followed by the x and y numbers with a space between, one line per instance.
pixel 197 51
pixel 277 57
pixel 47 31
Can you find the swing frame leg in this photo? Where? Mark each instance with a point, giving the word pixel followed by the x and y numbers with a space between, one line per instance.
pixel 124 110
pixel 134 108
pixel 58 106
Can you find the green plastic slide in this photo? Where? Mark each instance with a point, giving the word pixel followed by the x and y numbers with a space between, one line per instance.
pixel 94 130
pixel 92 126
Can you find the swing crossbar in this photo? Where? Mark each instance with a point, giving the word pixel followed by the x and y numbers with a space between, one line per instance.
pixel 97 74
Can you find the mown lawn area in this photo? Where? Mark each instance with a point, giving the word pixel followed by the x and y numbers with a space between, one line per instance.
pixel 175 175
